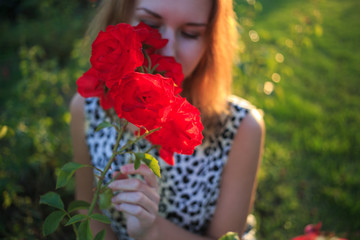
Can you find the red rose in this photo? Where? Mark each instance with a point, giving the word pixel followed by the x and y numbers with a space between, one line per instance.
pixel 181 132
pixel 116 52
pixel 167 156
pixel 143 99
pixel 167 66
pixel 150 37
pixel 311 236
pixel 91 85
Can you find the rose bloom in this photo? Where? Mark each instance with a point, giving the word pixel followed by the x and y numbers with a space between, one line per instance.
pixel 150 37
pixel 143 99
pixel 90 84
pixel 181 132
pixel 115 55
pixel 168 67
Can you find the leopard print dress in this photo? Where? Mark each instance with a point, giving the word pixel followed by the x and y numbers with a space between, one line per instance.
pixel 189 189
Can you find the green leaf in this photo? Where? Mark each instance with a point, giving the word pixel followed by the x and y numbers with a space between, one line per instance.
pixel 103 125
pixel 150 161
pixel 66 172
pixel 52 199
pixel 105 198
pixel 100 235
pixel 137 163
pixel 85 231
pixel 230 236
pixel 52 222
pixel 75 219
pixel 100 218
pixel 72 166
pixel 78 204
pixel 63 178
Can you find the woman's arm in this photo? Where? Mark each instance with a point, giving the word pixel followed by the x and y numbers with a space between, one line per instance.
pixel 84 177
pixel 238 182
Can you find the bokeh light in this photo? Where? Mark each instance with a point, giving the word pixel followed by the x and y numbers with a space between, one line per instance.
pixel 276 77
pixel 268 87
pixel 279 57
pixel 254 36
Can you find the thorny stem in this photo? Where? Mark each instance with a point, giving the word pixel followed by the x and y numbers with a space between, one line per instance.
pixel 115 152
pixel 129 143
pixel 97 192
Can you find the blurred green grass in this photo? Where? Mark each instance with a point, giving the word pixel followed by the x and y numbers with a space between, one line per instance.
pixel 299 63
pixel 310 171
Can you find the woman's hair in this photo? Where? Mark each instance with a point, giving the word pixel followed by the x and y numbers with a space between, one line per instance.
pixel 210 83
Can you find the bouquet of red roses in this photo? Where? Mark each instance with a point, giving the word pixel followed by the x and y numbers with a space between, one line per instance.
pixel 144 89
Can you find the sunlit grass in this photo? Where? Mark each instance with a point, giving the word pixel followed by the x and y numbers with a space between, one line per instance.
pixel 303 72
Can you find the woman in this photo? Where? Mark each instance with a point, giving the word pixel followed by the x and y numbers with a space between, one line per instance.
pixel 210 192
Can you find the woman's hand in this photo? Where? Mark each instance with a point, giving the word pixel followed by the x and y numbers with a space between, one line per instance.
pixel 137 199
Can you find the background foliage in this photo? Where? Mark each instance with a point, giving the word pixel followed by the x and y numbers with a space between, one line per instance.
pixel 299 64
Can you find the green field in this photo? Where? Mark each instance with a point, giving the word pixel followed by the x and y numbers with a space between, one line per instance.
pixel 300 63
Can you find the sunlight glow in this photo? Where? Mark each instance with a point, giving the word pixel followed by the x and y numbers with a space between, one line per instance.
pixel 279 58
pixel 276 77
pixel 268 87
pixel 254 36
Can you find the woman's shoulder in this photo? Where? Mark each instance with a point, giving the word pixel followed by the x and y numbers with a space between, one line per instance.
pixel 77 109
pixel 77 104
pixel 239 102
pixel 88 109
pixel 251 116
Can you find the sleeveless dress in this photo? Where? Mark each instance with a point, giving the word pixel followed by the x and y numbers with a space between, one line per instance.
pixel 188 190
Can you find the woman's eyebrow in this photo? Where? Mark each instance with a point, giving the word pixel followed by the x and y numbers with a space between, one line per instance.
pixel 150 12
pixel 154 14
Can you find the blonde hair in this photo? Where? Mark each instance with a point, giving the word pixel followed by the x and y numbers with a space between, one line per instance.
pixel 210 84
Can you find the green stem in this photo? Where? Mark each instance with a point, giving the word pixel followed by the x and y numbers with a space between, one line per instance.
pixel 115 152
pixel 73 225
pixel 122 151
pixel 97 192
pixel 151 148
pixel 75 231
pixel 129 143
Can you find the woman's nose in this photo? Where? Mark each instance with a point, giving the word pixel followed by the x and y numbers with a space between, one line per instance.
pixel 170 48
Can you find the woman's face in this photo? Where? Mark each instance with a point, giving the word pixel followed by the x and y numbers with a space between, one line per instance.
pixel 182 22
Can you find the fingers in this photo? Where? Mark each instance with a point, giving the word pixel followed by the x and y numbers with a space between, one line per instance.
pixel 135 185
pixel 143 170
pixel 136 198
pixel 137 212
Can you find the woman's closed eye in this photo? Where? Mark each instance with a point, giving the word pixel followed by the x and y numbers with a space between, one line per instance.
pixel 190 35
pixel 151 24
pixel 186 34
